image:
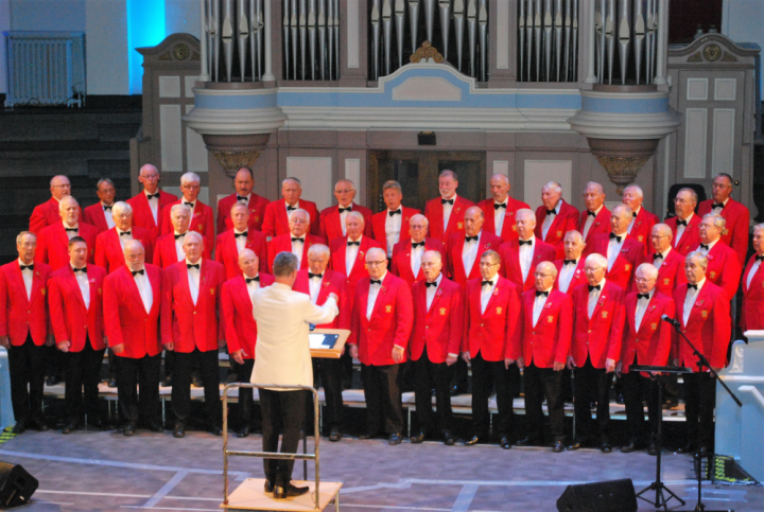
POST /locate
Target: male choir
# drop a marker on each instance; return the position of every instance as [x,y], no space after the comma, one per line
[493,285]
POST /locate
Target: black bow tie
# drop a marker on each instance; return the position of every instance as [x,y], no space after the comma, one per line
[237,235]
[395,212]
[447,201]
[414,245]
[128,233]
[241,198]
[617,237]
[717,205]
[291,208]
[525,242]
[634,214]
[497,206]
[84,270]
[569,262]
[758,258]
[71,229]
[180,235]
[342,210]
[657,255]
[486,283]
[539,294]
[551,212]
[105,208]
[470,239]
[152,196]
[250,279]
[681,223]
[433,284]
[193,265]
[31,267]
[311,276]
[692,286]
[358,243]
[590,213]
[136,272]
[190,205]
[374,281]
[595,287]
[643,296]
[704,246]
[298,240]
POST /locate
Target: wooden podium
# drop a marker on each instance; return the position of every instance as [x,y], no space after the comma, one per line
[250,496]
[328,343]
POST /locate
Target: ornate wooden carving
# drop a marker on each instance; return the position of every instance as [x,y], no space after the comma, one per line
[427,51]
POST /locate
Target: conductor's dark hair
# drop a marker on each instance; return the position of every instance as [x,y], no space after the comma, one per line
[284,264]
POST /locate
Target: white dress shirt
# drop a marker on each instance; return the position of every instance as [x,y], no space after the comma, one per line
[297,248]
[286,207]
[124,238]
[251,286]
[469,253]
[153,205]
[430,291]
[499,215]
[526,257]
[179,251]
[351,253]
[193,279]
[549,219]
[613,249]
[447,209]
[244,201]
[192,203]
[344,218]
[633,219]
[486,291]
[590,220]
[718,210]
[108,215]
[27,275]
[594,296]
[680,229]
[566,276]
[393,230]
[144,289]
[641,308]
[314,285]
[754,269]
[82,281]
[373,292]
[710,246]
[538,305]
[241,241]
[71,234]
[689,301]
[657,262]
[416,258]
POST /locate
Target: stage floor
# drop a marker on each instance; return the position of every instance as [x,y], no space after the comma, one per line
[100,471]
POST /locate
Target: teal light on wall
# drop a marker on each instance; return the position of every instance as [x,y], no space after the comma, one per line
[145,27]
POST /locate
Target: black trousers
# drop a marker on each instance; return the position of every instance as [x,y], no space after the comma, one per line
[143,374]
[636,390]
[540,383]
[181,385]
[429,375]
[591,384]
[330,371]
[83,370]
[382,392]
[169,362]
[246,402]
[700,400]
[26,365]
[283,413]
[487,375]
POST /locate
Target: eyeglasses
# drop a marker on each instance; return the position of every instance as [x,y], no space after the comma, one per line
[376,263]
[345,191]
[150,176]
[487,265]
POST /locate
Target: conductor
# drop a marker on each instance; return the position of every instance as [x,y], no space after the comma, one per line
[282,358]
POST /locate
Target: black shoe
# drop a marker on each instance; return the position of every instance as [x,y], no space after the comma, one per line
[576,444]
[52,380]
[395,438]
[335,435]
[631,447]
[505,443]
[473,441]
[268,486]
[19,428]
[155,427]
[528,441]
[288,491]
[652,449]
[605,447]
[129,430]
[418,438]
[244,432]
[179,431]
[448,438]
[558,447]
[216,430]
[688,448]
[70,427]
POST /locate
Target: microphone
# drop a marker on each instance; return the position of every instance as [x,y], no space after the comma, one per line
[670,320]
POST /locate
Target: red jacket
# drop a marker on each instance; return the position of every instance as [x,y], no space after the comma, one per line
[455,263]
[433,210]
[109,253]
[600,336]
[390,324]
[276,222]
[547,342]
[256,207]
[165,253]
[53,244]
[670,273]
[240,325]
[338,264]
[192,326]
[579,276]
[283,243]
[400,264]
[690,237]
[738,222]
[330,226]
[709,326]
[21,316]
[44,215]
[566,220]
[201,222]
[752,311]
[509,227]
[631,256]
[378,225]
[490,332]
[68,316]
[331,282]
[510,262]
[227,253]
[643,226]
[125,317]
[441,327]
[95,216]
[142,216]
[723,267]
[651,343]
[601,223]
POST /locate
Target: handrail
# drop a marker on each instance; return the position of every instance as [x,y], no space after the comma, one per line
[755,392]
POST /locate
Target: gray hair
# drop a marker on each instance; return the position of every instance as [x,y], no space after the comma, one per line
[419,216]
[301,211]
[356,216]
[194,234]
[758,227]
[121,207]
[448,173]
[345,180]
[525,212]
[238,205]
[319,249]
[21,236]
[554,186]
[665,229]
[719,221]
[579,237]
[132,243]
[285,264]
[597,259]
[502,177]
[190,177]
[180,206]
[649,270]
[435,254]
[392,184]
[375,250]
[602,189]
[626,210]
[66,199]
[291,178]
[693,194]
[635,188]
[699,257]
[104,180]
[490,253]
[549,265]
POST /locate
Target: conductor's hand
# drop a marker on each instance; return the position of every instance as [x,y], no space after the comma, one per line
[398,354]
[354,351]
[118,349]
[64,346]
[5,342]
[170,347]
[238,356]
[609,365]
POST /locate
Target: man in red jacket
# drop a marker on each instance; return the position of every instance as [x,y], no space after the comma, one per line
[492,316]
[131,303]
[390,225]
[150,202]
[47,213]
[231,243]
[76,315]
[24,331]
[99,215]
[332,222]
[703,310]
[53,246]
[191,328]
[110,244]
[520,257]
[570,270]
[723,265]
[595,219]
[668,261]
[276,221]
[241,327]
[244,183]
[596,348]
[737,215]
[622,252]
[435,341]
[381,323]
[685,224]
[464,249]
[642,221]
[646,341]
[407,254]
[752,315]
[348,253]
[446,213]
[201,217]
[500,209]
[297,241]
[555,217]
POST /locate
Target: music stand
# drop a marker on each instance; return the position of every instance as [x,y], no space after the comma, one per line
[658,486]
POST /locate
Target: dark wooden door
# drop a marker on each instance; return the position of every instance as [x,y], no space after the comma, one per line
[417,172]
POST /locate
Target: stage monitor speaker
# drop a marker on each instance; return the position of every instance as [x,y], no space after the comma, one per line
[16,485]
[611,496]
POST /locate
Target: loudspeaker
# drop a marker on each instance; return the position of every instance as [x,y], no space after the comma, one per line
[611,496]
[16,485]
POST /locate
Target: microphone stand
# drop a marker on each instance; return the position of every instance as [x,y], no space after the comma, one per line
[703,362]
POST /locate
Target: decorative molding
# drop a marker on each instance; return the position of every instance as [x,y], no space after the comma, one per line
[427,88]
[695,57]
[712,52]
[232,161]
[428,53]
[622,170]
[728,57]
[165,56]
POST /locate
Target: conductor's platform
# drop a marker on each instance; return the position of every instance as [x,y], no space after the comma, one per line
[250,496]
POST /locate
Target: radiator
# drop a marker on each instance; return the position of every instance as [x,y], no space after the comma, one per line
[45,68]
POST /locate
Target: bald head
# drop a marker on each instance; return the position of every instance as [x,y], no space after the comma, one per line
[249,263]
[135,255]
[149,178]
[499,187]
[244,181]
[60,186]
[526,223]
[69,210]
[473,221]
[594,196]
